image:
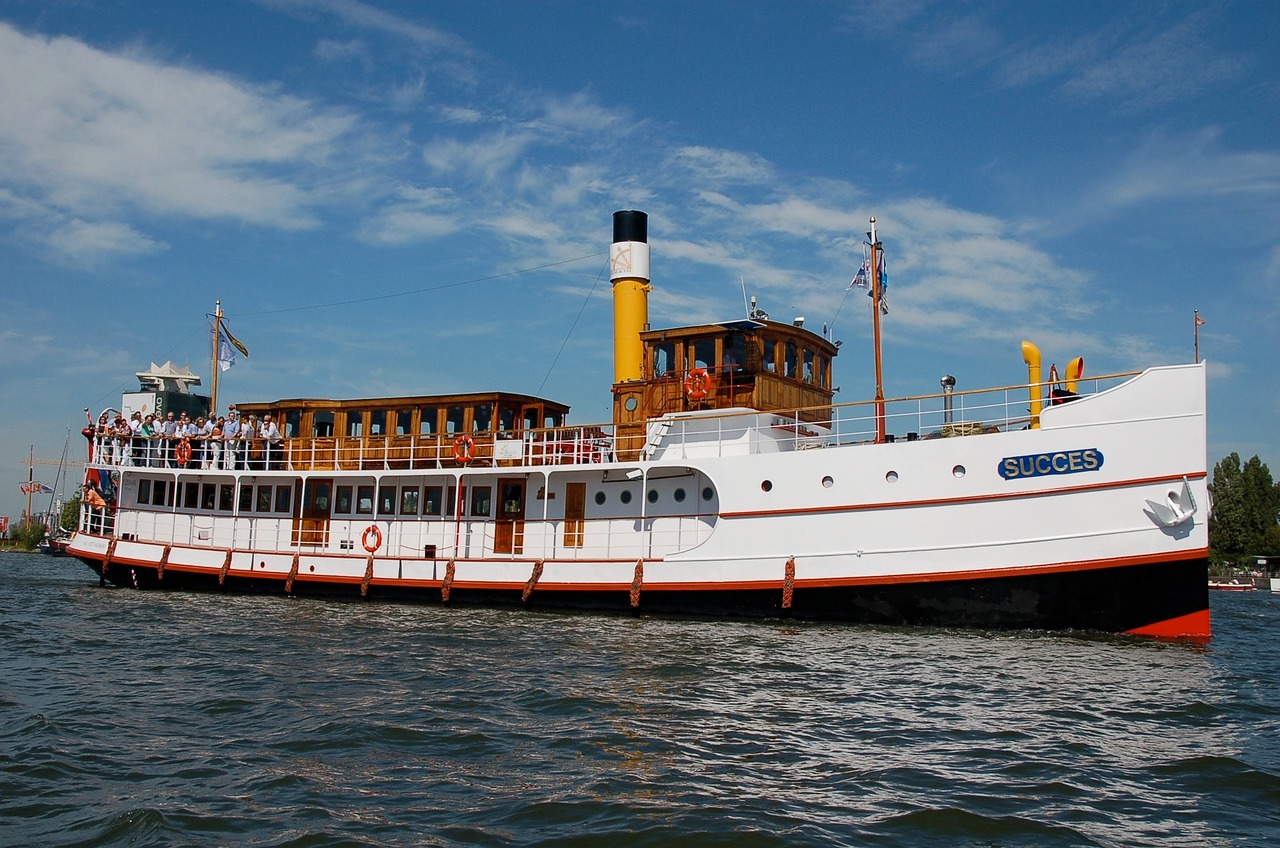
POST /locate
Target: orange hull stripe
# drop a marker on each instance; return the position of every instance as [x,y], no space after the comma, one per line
[995,496]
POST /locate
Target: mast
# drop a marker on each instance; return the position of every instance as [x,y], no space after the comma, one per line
[217,336]
[876,251]
[31,479]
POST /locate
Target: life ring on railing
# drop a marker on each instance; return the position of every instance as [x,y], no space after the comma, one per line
[182,452]
[464,449]
[371,532]
[697,385]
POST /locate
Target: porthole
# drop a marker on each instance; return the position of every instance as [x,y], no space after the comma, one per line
[891,477]
[708,494]
[828,482]
[625,496]
[631,403]
[653,496]
[678,494]
[766,486]
[600,498]
[958,471]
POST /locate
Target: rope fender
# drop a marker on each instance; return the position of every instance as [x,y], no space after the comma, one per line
[447,586]
[531,582]
[293,572]
[164,560]
[226,566]
[368,577]
[636,582]
[789,583]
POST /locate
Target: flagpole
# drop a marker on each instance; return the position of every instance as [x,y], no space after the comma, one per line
[31,479]
[1196,323]
[217,337]
[875,330]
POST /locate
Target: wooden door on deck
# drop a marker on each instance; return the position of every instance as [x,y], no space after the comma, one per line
[311,528]
[509,530]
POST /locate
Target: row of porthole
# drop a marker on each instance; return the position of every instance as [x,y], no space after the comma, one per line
[678,496]
[889,477]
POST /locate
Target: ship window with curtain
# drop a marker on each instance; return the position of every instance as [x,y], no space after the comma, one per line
[342,501]
[264,499]
[403,421]
[409,500]
[428,424]
[378,422]
[433,501]
[481,500]
[809,373]
[506,418]
[355,423]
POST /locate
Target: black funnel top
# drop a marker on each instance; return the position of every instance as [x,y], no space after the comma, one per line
[630,226]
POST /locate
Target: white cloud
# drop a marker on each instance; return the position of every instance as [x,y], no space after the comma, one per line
[485,158]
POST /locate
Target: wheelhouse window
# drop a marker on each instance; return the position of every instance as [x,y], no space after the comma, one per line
[378,422]
[735,352]
[553,419]
[455,419]
[506,418]
[322,425]
[292,423]
[429,423]
[403,422]
[482,418]
[355,423]
[664,359]
[531,417]
[789,362]
[702,354]
[809,373]
[770,356]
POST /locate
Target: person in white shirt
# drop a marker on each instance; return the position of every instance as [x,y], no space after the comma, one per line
[230,438]
[271,447]
[168,435]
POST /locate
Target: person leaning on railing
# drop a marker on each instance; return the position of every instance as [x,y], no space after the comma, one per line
[251,443]
[230,438]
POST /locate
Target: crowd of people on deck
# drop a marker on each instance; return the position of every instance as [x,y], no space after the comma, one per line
[229,442]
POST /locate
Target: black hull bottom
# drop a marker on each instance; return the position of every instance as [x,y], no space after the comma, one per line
[1119,599]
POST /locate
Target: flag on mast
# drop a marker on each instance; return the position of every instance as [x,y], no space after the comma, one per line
[1199,320]
[225,341]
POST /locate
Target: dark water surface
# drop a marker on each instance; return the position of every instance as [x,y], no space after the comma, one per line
[154,719]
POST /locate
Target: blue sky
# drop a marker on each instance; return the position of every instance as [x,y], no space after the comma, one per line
[1083,175]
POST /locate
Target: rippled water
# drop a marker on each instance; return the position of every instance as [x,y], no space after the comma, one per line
[156,719]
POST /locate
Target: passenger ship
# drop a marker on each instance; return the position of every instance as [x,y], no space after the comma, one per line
[728,483]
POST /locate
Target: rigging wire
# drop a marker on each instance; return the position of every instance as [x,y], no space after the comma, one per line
[572,326]
[440,287]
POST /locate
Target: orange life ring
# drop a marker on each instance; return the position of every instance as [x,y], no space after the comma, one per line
[371,531]
[464,449]
[182,452]
[698,384]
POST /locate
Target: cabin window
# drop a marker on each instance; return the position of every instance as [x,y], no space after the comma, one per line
[409,500]
[208,496]
[553,419]
[144,491]
[452,500]
[664,359]
[481,500]
[702,354]
[246,498]
[264,499]
[322,425]
[531,416]
[355,423]
[292,423]
[226,497]
[284,499]
[403,422]
[387,500]
[455,419]
[735,352]
[770,356]
[625,496]
[364,500]
[809,373]
[432,502]
[482,418]
[378,422]
[159,493]
[190,495]
[823,369]
[429,424]
[789,361]
[342,500]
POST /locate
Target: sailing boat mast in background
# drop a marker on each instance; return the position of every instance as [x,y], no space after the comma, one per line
[877,295]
